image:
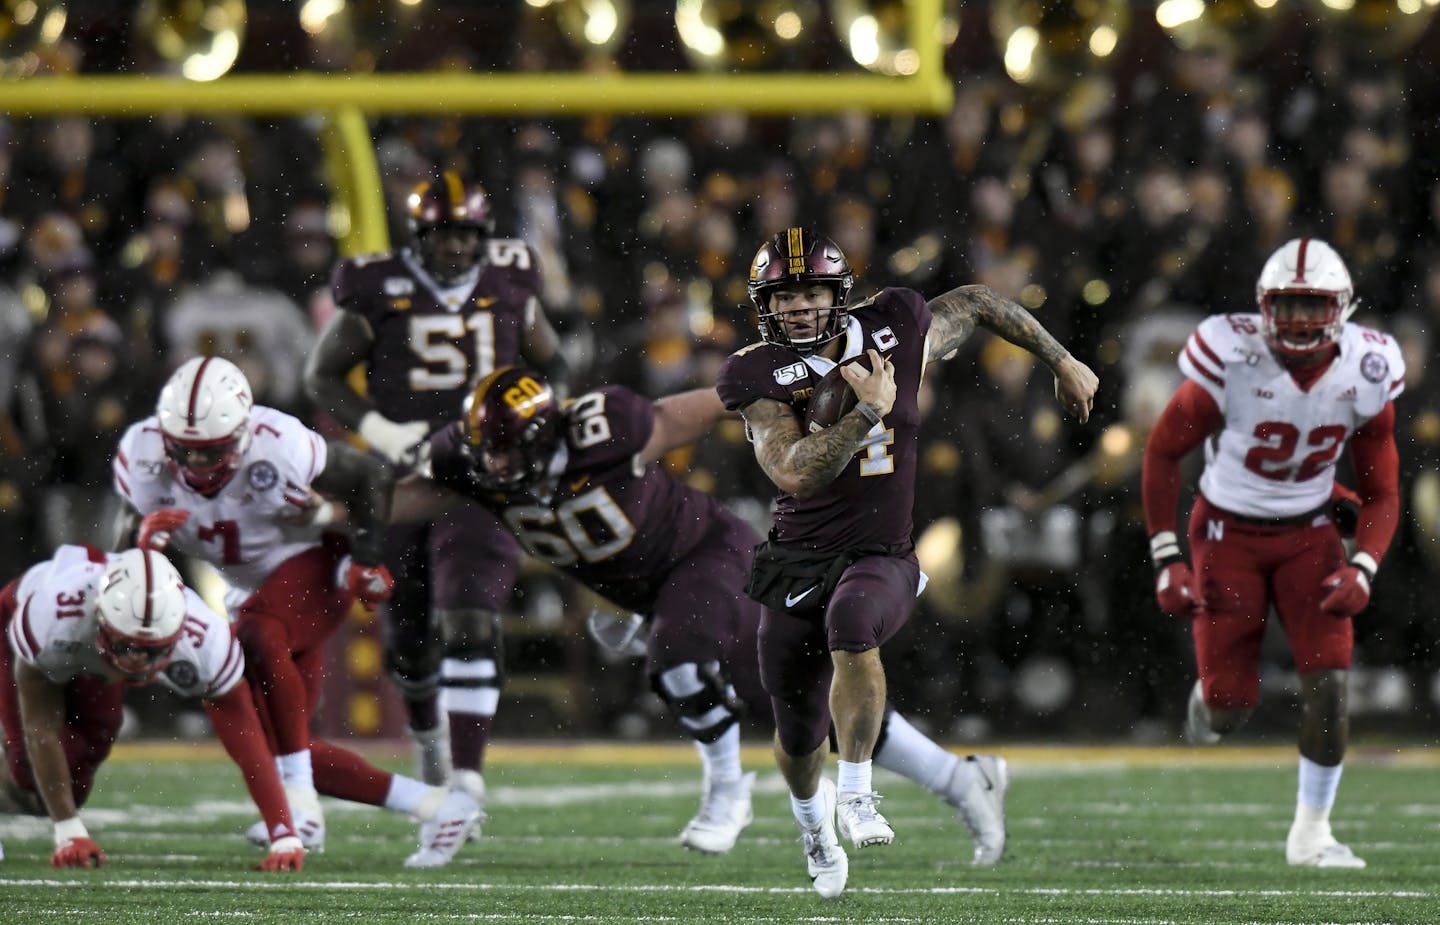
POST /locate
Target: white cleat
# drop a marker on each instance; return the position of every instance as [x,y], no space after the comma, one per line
[1197,725]
[311,832]
[474,784]
[432,754]
[976,790]
[858,821]
[725,811]
[824,858]
[443,833]
[1319,849]
[305,813]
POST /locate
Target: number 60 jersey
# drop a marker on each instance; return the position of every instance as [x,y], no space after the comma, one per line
[1275,456]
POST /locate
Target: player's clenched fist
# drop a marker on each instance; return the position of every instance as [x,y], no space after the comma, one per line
[157,526]
[371,584]
[1175,590]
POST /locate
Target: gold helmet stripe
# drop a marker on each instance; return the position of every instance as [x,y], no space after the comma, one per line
[795,248]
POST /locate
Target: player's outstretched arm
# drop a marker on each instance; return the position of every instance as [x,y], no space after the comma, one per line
[237,726]
[680,420]
[42,712]
[540,347]
[958,312]
[364,484]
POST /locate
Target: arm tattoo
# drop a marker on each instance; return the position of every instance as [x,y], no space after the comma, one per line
[798,464]
[959,311]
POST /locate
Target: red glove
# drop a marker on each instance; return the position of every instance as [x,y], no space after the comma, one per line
[1175,589]
[78,852]
[370,584]
[285,854]
[1349,591]
[157,526]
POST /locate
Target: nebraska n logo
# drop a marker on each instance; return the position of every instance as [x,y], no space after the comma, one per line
[1215,529]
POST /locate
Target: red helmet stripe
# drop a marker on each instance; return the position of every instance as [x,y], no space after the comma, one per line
[149,589]
[195,391]
[1300,260]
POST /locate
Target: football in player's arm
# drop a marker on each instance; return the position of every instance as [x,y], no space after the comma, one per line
[79,628]
[838,576]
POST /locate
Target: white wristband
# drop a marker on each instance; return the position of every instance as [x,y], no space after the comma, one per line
[67,830]
[1365,563]
[1164,545]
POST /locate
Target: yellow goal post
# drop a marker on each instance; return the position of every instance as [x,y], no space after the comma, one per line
[346,100]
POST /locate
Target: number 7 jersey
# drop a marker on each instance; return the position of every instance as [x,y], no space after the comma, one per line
[1275,455]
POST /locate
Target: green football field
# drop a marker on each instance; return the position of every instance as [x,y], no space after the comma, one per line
[587,834]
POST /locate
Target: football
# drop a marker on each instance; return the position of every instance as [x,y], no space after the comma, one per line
[832,399]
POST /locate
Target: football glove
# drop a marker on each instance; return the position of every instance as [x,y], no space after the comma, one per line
[371,584]
[1349,587]
[1174,583]
[285,854]
[156,527]
[399,443]
[73,846]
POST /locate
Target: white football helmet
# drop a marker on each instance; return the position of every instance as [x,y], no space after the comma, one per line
[1310,269]
[204,413]
[140,609]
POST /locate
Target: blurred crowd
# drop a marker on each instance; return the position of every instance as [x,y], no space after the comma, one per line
[129,245]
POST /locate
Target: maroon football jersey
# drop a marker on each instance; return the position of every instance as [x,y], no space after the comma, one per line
[616,530]
[433,343]
[871,500]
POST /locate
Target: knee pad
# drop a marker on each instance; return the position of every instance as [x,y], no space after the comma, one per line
[700,698]
[415,670]
[473,635]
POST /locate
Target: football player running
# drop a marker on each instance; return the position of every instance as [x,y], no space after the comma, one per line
[581,488]
[839,575]
[1276,397]
[78,628]
[428,323]
[237,485]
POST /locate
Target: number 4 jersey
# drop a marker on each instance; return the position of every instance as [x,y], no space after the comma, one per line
[54,628]
[1275,456]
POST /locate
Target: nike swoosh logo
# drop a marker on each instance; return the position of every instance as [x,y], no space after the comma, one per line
[792,599]
[486,303]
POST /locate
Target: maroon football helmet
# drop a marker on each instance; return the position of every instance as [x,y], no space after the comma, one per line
[511,429]
[449,220]
[796,256]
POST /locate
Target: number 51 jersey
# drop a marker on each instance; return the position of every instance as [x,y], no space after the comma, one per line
[1275,456]
[433,343]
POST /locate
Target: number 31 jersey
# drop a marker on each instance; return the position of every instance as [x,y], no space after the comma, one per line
[1275,456]
[433,343]
[54,629]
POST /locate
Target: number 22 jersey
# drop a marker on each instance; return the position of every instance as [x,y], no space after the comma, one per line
[1275,455]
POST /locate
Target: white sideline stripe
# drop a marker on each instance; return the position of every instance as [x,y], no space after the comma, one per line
[358,886]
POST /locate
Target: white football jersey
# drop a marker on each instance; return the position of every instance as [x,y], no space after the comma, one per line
[54,629]
[1275,456]
[253,524]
